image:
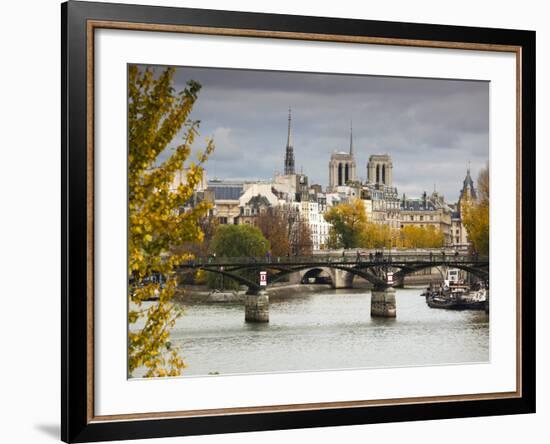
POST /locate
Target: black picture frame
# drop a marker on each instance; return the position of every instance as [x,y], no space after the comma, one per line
[77,425]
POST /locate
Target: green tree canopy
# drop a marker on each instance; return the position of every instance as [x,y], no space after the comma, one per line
[236,241]
[239,241]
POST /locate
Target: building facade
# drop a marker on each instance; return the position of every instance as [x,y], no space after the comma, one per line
[427,211]
[226,195]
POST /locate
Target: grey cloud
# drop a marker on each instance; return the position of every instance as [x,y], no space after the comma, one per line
[432,128]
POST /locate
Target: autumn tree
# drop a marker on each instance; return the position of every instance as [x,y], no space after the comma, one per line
[160,137]
[475,215]
[349,222]
[413,236]
[300,239]
[274,226]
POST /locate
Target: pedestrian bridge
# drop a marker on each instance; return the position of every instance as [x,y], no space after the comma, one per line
[374,267]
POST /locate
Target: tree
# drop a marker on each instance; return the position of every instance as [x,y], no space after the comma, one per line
[239,241]
[287,231]
[300,240]
[476,215]
[236,241]
[158,220]
[349,222]
[274,226]
[413,236]
[376,236]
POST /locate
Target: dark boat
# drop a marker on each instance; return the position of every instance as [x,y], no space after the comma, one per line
[450,303]
[457,297]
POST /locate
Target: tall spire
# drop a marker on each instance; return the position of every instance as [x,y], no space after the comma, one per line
[289,156]
[351,138]
[289,135]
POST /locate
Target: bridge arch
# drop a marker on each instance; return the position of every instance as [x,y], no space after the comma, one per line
[315,273]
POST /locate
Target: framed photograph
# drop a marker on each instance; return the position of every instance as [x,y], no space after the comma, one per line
[275,221]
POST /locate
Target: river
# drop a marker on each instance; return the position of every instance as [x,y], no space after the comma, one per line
[328,329]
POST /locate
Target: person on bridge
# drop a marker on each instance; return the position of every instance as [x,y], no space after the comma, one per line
[358,256]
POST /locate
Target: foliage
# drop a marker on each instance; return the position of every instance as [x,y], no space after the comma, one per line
[351,229]
[197,248]
[157,116]
[287,232]
[273,223]
[300,239]
[239,241]
[475,215]
[414,236]
[410,236]
[376,236]
[236,241]
[349,221]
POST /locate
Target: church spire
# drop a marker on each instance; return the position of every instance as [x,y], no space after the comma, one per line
[289,156]
[351,138]
[289,135]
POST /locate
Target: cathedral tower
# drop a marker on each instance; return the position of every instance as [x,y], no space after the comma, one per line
[380,170]
[342,167]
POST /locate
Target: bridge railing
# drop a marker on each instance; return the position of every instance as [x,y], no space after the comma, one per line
[372,258]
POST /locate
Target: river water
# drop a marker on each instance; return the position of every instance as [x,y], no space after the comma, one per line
[328,329]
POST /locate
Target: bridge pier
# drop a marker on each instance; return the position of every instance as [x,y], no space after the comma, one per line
[341,278]
[399,282]
[382,303]
[256,306]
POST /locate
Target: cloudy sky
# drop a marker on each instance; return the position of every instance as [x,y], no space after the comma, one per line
[432,128]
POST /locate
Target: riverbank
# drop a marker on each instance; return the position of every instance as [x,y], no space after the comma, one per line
[203,294]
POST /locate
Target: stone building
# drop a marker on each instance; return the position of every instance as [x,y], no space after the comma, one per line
[226,194]
[379,190]
[427,211]
[251,208]
[342,168]
[383,204]
[312,212]
[380,170]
